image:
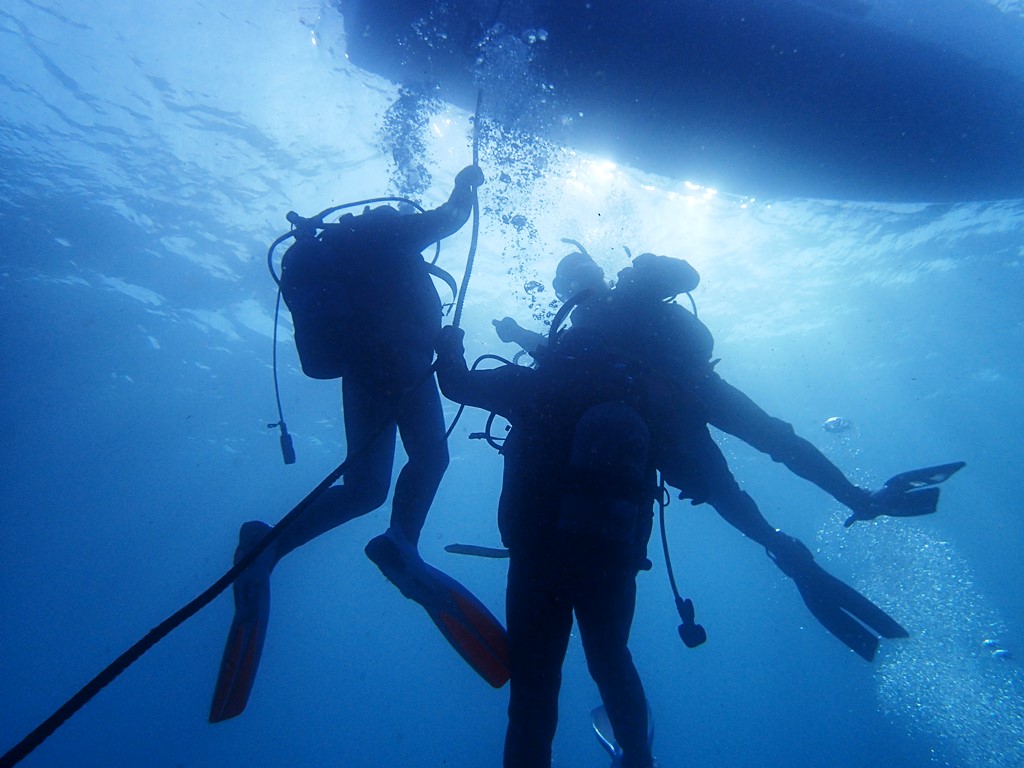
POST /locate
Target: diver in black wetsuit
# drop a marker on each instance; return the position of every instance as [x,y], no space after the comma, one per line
[635,320]
[378,321]
[634,317]
[575,512]
[365,309]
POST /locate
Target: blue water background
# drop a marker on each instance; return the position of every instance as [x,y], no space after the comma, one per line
[149,153]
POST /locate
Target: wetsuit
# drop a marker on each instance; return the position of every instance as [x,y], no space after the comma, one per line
[364,309]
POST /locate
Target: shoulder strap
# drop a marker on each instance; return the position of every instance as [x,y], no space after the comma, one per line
[445,276]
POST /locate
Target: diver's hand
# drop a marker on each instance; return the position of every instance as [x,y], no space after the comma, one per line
[470,176]
[448,343]
[867,506]
[861,502]
[507,329]
[895,503]
[908,494]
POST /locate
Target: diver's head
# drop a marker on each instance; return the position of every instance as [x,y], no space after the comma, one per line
[576,272]
[660,276]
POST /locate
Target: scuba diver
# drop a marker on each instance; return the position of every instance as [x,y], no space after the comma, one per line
[637,319]
[638,315]
[365,310]
[576,511]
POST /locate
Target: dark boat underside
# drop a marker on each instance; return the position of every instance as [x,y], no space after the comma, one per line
[806,99]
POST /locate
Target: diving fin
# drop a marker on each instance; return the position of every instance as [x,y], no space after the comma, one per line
[248,631]
[846,613]
[922,478]
[851,617]
[477,550]
[606,737]
[907,494]
[464,621]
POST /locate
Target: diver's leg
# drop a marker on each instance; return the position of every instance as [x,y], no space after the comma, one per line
[421,426]
[605,601]
[370,433]
[829,600]
[370,436]
[539,623]
[721,490]
[365,488]
[733,412]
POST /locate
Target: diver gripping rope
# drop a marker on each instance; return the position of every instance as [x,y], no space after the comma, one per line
[471,256]
[49,726]
[309,227]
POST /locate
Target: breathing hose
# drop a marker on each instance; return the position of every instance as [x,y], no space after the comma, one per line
[457,319]
[690,632]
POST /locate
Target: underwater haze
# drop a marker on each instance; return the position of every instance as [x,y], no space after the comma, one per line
[149,154]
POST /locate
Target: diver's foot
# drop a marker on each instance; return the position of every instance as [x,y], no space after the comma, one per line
[249,536]
[400,563]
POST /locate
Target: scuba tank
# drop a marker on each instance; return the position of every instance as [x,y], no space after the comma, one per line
[608,476]
[315,289]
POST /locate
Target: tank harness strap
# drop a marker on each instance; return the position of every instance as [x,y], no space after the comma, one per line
[446,277]
[563,313]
